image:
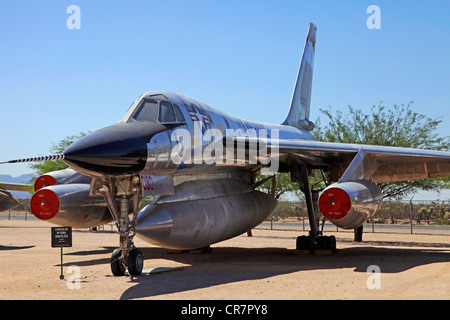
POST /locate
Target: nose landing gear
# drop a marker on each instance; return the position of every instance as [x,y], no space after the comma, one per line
[127,193]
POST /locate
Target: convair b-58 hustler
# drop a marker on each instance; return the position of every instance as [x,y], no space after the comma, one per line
[202,165]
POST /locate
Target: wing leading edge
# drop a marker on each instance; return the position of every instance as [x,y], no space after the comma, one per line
[368,162]
[7,200]
[17,187]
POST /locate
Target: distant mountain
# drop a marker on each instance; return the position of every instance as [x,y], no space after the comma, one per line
[24,178]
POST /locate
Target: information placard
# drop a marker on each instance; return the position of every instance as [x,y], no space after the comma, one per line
[61,237]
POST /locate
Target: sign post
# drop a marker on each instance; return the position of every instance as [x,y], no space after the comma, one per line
[61,237]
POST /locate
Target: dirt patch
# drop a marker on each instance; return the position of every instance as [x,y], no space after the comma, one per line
[264,266]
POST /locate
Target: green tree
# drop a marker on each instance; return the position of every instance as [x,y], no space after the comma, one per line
[399,127]
[41,168]
[446,219]
[283,185]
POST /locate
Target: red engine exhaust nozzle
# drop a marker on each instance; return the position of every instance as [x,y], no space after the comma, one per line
[334,203]
[44,181]
[44,204]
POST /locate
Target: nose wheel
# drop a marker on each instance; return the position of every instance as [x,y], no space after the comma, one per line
[117,267]
[135,262]
[119,204]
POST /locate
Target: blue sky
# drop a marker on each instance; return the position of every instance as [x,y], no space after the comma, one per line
[239,56]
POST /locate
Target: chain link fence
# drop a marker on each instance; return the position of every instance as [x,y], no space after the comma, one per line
[399,216]
[414,217]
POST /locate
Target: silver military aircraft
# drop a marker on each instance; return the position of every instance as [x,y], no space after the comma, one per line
[202,165]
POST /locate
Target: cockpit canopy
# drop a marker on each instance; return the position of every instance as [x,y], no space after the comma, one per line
[152,109]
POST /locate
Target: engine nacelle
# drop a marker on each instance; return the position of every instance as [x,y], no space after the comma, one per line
[203,212]
[349,204]
[60,177]
[70,205]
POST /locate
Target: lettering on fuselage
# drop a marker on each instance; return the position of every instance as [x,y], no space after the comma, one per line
[213,147]
[157,185]
[147,183]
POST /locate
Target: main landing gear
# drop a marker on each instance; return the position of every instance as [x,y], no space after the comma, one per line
[314,242]
[125,192]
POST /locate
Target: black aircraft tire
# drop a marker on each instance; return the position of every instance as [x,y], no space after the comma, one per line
[135,262]
[117,267]
[332,243]
[302,243]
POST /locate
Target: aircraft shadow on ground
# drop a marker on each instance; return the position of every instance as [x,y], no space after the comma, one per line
[91,252]
[92,262]
[232,264]
[6,248]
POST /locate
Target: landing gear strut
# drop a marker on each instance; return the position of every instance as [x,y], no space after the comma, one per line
[126,193]
[315,241]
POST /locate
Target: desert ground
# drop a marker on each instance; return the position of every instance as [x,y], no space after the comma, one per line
[262,267]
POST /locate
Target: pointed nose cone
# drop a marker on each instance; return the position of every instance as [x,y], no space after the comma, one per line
[119,149]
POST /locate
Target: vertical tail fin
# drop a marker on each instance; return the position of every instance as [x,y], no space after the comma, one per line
[298,115]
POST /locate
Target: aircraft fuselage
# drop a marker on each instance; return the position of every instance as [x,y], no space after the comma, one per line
[165,133]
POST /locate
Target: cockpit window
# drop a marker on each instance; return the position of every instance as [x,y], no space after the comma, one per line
[166,112]
[178,113]
[147,111]
[158,97]
[158,111]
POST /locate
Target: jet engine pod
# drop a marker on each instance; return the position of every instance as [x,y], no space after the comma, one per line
[349,204]
[60,177]
[69,205]
[44,181]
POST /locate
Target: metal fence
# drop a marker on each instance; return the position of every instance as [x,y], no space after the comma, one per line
[399,216]
[367,227]
[17,215]
[412,217]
